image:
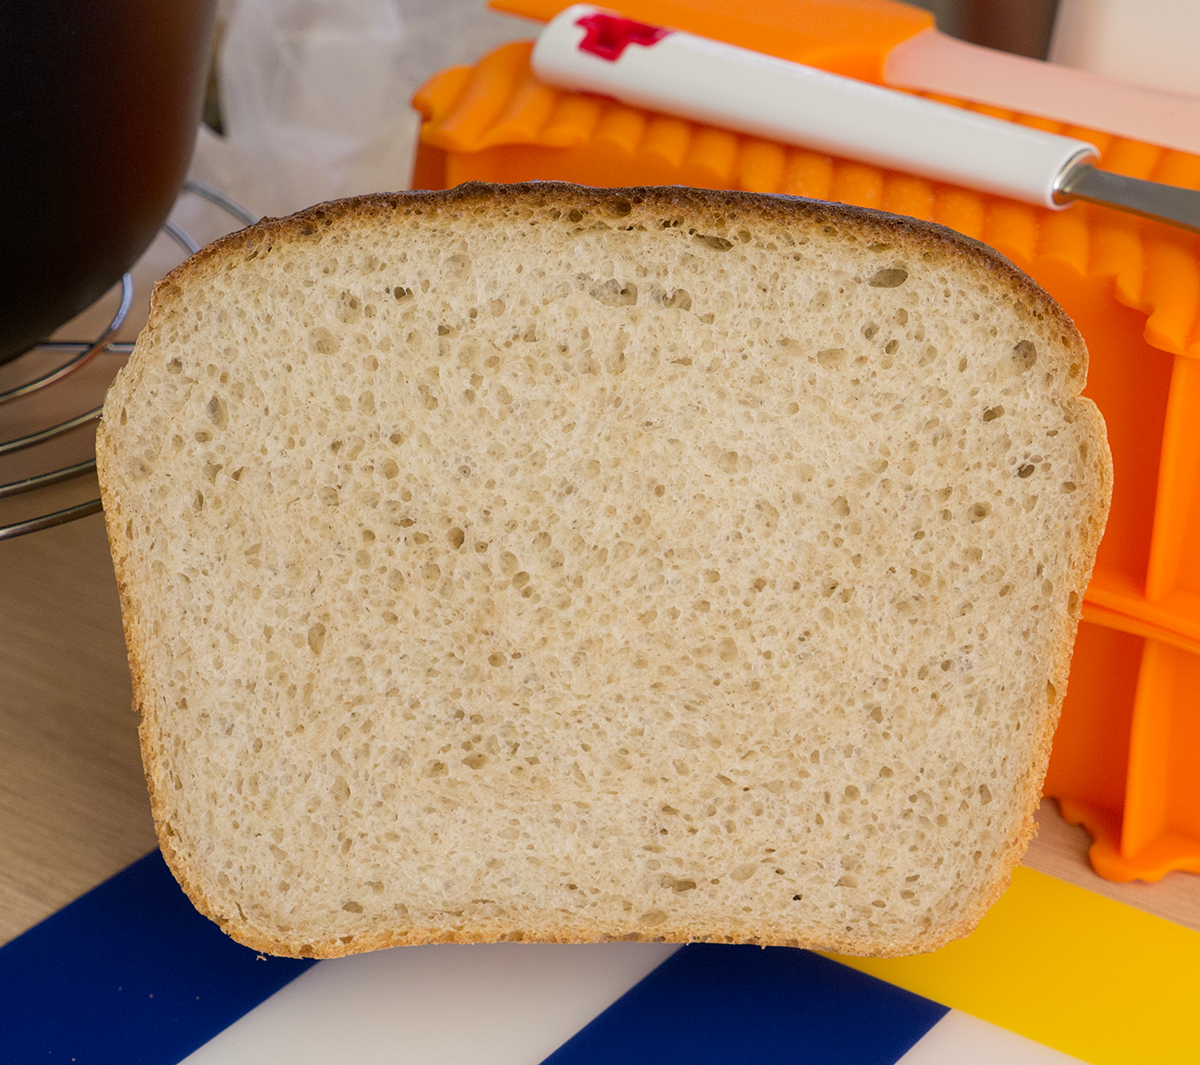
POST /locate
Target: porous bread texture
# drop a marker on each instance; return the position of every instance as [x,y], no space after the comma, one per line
[556,564]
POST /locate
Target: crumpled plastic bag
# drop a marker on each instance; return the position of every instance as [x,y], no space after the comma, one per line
[314,101]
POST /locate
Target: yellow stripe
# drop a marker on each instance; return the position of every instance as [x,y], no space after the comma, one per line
[1071,969]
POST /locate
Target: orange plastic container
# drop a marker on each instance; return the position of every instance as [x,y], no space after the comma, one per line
[1126,760]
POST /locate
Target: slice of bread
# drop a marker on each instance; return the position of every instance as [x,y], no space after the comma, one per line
[547,563]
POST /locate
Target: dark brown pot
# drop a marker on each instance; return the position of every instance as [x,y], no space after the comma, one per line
[99,105]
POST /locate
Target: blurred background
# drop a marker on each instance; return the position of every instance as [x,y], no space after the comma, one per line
[1022,27]
[409,43]
[1019,26]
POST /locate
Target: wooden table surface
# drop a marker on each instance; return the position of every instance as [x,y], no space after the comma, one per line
[73,807]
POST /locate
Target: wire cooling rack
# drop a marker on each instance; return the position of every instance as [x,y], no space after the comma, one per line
[72,356]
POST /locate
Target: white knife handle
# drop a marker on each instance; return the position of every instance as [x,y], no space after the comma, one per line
[593,50]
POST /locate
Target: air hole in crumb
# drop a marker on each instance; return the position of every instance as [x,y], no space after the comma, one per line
[316,638]
[218,412]
[888,277]
[1024,356]
[323,342]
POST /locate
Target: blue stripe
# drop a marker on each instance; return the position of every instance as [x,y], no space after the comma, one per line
[129,974]
[726,1005]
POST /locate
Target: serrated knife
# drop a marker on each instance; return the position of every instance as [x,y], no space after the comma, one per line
[593,50]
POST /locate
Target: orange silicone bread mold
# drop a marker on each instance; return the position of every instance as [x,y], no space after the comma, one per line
[1126,760]
[1132,286]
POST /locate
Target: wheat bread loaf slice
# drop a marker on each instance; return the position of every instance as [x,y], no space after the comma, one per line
[546,563]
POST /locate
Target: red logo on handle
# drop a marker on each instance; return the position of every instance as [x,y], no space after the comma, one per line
[609,35]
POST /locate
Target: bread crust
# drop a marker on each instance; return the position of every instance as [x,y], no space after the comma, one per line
[479,199]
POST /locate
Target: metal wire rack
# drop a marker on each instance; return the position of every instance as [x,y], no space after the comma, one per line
[78,354]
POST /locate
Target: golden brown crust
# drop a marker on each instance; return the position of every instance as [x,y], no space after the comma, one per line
[917,237]
[143,693]
[473,195]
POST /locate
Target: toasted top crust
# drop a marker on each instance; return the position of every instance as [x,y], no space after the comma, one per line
[567,564]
